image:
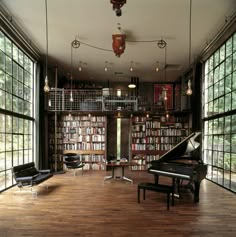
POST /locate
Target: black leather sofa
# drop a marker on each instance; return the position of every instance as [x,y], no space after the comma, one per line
[28,175]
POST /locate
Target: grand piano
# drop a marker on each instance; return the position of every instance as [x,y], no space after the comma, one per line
[181,163]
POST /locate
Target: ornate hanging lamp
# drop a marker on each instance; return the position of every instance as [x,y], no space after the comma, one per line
[118,42]
[117,5]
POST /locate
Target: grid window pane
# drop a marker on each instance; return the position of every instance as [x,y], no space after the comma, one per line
[220,149]
[16,90]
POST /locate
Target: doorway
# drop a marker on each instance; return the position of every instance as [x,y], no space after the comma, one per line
[118,142]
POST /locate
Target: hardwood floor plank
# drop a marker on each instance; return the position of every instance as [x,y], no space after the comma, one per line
[83,205]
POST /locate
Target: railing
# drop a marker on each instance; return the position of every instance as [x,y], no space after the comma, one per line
[90,100]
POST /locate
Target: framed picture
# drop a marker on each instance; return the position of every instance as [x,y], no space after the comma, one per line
[160,92]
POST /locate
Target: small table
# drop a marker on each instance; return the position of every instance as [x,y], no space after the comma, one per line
[118,170]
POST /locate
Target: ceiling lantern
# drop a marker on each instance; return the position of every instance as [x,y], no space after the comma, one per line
[117,5]
[118,42]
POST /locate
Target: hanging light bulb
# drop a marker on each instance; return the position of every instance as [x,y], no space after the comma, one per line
[49,103]
[105,68]
[165,94]
[167,115]
[71,96]
[46,86]
[189,89]
[131,66]
[157,68]
[80,68]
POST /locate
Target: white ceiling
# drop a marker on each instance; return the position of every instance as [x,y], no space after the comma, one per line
[93,22]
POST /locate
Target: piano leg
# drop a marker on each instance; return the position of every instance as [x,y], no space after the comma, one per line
[196,191]
[156,179]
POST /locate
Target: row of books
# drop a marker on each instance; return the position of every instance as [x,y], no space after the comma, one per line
[84,146]
[85,118]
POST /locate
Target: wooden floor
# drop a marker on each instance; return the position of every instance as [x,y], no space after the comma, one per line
[83,205]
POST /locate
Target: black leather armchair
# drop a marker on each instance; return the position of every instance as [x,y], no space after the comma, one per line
[73,161]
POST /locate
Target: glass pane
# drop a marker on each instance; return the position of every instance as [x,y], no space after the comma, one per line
[229,47]
[9,180]
[210,78]
[20,90]
[227,125]
[8,83]
[21,126]
[211,59]
[234,61]
[15,104]
[21,142]
[221,87]
[8,47]
[15,142]
[9,65]
[234,84]
[2,162]
[8,142]
[216,106]
[222,70]
[15,125]
[228,65]
[8,159]
[15,87]
[15,158]
[2,142]
[8,102]
[216,74]
[234,100]
[2,80]
[228,83]
[233,182]
[2,101]
[222,53]
[210,93]
[233,129]
[216,58]
[15,53]
[227,143]
[2,122]
[234,42]
[20,74]
[26,127]
[226,179]
[216,90]
[2,61]
[227,102]
[2,42]
[15,70]
[21,57]
[221,104]
[233,143]
[233,162]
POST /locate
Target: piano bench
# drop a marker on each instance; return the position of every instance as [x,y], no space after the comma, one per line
[157,188]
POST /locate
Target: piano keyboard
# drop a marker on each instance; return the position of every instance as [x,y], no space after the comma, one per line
[177,175]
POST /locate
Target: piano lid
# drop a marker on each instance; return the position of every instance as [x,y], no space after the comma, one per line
[184,148]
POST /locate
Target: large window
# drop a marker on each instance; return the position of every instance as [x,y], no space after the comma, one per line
[219,115]
[16,109]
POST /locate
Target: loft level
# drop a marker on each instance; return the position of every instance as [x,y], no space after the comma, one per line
[66,100]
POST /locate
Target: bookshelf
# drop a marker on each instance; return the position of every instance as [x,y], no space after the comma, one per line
[152,137]
[86,135]
[55,142]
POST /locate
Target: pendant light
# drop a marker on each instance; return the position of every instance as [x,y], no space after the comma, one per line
[189,85]
[71,95]
[46,86]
